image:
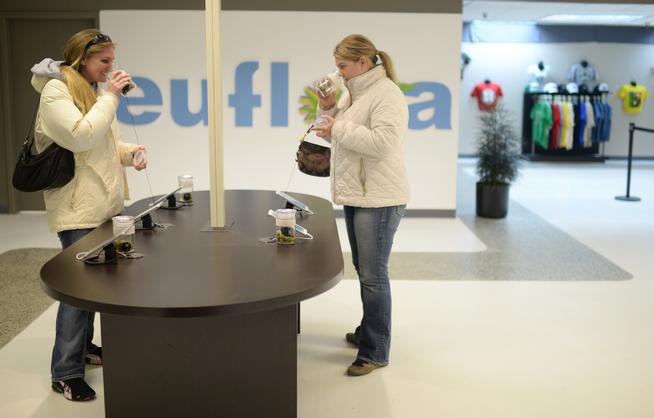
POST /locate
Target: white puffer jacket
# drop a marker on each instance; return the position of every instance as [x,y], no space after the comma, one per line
[99,188]
[367,160]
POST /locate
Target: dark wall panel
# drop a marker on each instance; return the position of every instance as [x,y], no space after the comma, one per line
[96,5]
[408,6]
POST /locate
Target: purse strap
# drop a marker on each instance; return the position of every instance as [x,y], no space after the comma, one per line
[29,141]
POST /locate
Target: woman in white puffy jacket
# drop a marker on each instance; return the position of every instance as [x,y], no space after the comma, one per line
[367,129]
[78,115]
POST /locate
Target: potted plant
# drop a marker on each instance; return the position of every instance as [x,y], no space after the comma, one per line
[499,156]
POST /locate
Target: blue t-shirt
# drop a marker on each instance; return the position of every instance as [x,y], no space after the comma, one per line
[606,128]
[599,121]
[583,117]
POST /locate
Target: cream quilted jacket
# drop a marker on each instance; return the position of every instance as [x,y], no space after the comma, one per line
[367,162]
[99,188]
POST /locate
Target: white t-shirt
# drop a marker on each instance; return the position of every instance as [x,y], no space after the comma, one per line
[537,74]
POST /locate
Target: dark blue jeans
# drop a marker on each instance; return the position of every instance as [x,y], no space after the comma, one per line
[74,328]
[370,232]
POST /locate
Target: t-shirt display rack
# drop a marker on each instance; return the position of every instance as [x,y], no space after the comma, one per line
[578,153]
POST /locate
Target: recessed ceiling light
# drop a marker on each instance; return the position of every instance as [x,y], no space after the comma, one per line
[589,19]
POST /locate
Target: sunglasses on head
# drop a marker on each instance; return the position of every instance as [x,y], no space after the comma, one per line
[99,38]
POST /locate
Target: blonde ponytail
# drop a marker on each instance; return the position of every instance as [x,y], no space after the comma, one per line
[81,90]
[388,65]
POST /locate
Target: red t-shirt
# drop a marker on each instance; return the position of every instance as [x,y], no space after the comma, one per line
[487,95]
[555,131]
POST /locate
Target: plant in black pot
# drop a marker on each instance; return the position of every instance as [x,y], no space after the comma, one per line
[498,147]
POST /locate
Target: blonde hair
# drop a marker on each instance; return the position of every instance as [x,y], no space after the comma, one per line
[355,46]
[75,52]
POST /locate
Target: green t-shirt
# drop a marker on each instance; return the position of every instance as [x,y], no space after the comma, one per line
[541,122]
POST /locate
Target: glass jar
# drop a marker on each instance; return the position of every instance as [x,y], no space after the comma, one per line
[327,84]
[285,226]
[185,194]
[124,225]
[115,69]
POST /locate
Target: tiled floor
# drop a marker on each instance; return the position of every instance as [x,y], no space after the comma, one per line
[487,349]
[26,230]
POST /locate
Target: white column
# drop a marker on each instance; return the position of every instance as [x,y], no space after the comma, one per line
[215,111]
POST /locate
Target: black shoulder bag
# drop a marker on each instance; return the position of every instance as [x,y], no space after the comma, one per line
[50,169]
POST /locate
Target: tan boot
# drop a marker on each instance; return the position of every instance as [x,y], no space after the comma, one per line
[360,367]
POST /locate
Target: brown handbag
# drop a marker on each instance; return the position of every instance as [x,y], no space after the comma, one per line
[313,159]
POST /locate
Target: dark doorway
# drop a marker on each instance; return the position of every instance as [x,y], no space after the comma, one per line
[30,38]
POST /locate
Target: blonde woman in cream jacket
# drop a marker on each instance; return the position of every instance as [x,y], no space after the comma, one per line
[78,115]
[367,129]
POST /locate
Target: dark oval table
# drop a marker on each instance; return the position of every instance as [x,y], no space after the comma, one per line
[205,324]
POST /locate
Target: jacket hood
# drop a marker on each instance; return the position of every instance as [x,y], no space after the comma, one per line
[45,71]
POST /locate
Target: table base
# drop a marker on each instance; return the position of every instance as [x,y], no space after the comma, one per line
[217,366]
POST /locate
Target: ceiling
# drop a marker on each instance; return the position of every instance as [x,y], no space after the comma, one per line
[534,11]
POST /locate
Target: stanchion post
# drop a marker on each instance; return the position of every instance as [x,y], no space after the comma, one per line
[631,154]
[627,197]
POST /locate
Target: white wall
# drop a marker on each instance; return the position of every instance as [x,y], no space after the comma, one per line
[506,64]
[162,45]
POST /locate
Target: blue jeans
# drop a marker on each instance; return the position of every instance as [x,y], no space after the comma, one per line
[74,328]
[370,232]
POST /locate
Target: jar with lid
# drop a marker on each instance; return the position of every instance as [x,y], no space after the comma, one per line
[185,194]
[285,226]
[124,225]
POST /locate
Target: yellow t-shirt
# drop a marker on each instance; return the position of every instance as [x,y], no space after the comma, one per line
[633,97]
[565,126]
